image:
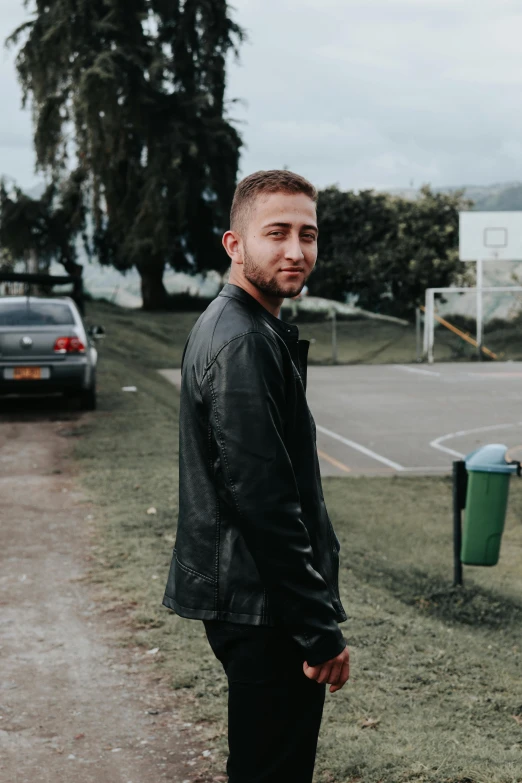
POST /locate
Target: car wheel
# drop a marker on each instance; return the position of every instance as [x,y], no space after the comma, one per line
[88,399]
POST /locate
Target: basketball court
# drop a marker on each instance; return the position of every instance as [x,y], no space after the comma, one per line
[417,419]
[409,419]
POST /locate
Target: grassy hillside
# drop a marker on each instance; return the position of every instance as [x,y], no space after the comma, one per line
[435,690]
[162,336]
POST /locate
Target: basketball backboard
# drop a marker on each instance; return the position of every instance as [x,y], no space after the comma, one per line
[490,236]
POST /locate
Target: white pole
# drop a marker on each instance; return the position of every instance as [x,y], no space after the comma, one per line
[426,321]
[334,337]
[418,353]
[480,284]
[431,338]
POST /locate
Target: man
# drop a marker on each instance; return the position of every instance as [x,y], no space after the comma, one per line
[256,557]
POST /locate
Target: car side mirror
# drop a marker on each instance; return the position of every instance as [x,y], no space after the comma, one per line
[96,332]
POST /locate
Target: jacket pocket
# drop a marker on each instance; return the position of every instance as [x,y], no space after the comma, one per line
[331,532]
[192,571]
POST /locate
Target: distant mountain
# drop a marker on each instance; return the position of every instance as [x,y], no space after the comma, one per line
[501,196]
[488,198]
[496,197]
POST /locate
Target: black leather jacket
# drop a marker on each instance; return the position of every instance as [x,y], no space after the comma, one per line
[254,541]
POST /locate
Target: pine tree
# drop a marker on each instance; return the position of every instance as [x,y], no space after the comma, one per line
[134,89]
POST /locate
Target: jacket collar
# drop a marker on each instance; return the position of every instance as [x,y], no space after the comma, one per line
[287,331]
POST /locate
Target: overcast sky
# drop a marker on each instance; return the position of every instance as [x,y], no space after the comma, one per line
[361,93]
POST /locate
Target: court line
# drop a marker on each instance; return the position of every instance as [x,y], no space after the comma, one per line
[438,468]
[436,444]
[416,370]
[494,374]
[333,461]
[357,446]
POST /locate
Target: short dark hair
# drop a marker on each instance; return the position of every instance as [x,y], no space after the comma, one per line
[273,181]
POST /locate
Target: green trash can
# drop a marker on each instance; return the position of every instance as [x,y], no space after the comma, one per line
[486,504]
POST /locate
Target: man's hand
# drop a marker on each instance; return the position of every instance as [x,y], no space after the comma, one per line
[335,672]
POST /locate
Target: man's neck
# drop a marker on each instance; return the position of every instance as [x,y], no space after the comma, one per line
[270,303]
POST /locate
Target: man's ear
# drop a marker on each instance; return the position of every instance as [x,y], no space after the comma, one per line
[231,243]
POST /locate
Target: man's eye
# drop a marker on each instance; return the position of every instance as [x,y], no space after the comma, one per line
[309,236]
[276,233]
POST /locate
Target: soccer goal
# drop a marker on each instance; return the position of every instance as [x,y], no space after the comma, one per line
[446,309]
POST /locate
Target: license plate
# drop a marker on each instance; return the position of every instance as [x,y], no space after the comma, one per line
[27,373]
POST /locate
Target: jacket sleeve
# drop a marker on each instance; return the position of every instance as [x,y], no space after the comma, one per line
[247,399]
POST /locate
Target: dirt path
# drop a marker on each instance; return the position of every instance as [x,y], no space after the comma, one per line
[75,707]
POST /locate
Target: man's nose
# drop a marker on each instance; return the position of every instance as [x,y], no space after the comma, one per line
[293,249]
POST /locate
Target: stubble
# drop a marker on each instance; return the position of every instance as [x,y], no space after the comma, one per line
[269,285]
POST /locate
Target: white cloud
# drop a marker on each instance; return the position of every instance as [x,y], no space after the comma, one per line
[382,91]
[359,92]
[16,150]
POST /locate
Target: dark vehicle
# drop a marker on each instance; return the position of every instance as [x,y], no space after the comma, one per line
[45,348]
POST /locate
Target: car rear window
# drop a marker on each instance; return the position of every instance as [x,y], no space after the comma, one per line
[35,314]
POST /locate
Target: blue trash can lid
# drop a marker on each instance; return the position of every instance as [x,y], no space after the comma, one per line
[489,459]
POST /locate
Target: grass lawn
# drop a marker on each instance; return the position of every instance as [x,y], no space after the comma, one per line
[381,342]
[436,687]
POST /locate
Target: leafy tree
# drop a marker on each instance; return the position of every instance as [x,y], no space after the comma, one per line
[426,253]
[135,89]
[38,231]
[354,228]
[387,250]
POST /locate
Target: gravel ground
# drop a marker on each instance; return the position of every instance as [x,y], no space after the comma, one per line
[75,704]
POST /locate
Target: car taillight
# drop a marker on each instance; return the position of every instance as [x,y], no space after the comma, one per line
[69,345]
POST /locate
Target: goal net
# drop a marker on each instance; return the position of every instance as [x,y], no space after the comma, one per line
[461,324]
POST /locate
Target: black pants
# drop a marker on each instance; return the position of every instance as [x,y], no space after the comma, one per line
[274,710]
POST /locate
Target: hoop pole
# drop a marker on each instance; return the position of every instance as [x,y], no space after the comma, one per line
[431,327]
[480,315]
[418,354]
[426,316]
[334,337]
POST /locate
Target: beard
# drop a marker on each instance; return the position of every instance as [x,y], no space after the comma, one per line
[270,286]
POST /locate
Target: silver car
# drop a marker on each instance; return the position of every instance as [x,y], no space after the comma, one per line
[45,347]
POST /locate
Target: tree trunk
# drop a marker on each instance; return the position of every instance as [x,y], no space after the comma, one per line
[31,263]
[76,272]
[72,268]
[153,292]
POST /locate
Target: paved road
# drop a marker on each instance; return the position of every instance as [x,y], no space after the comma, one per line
[410,419]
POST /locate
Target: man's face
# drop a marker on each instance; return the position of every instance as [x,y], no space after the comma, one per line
[279,243]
